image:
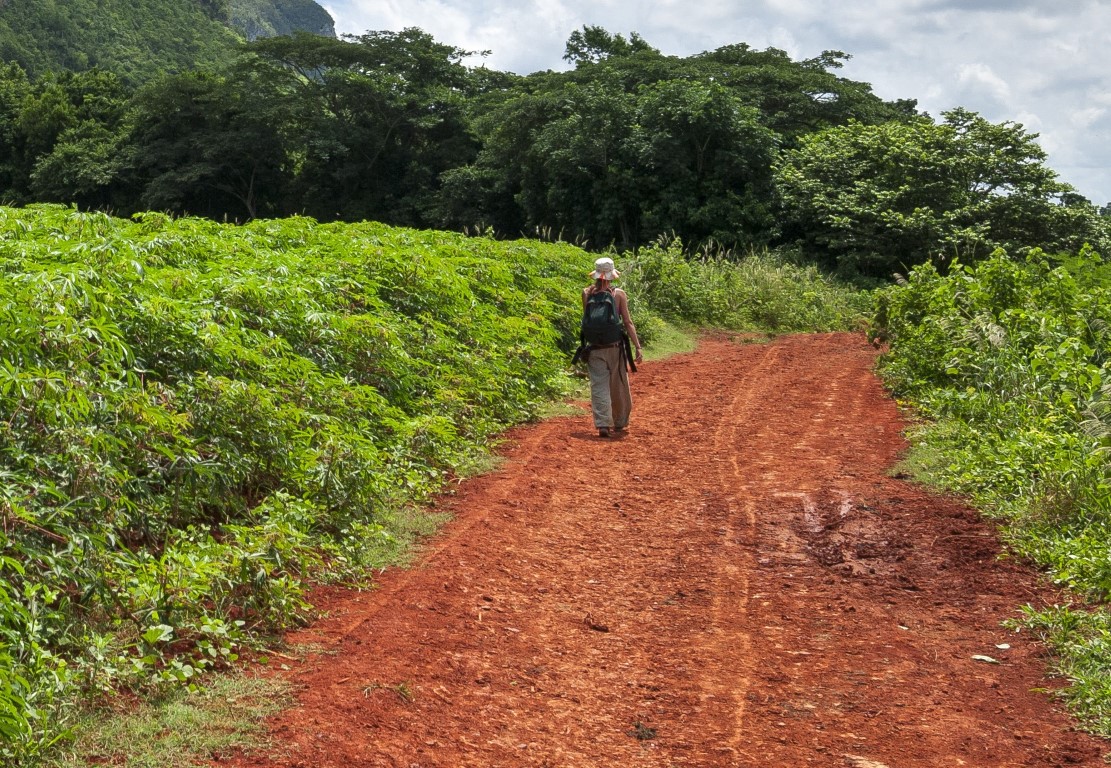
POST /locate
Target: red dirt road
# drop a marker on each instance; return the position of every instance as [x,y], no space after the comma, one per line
[738,581]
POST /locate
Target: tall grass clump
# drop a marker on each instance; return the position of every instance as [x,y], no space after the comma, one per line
[1008,361]
[762,291]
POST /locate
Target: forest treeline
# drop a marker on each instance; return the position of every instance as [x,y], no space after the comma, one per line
[732,148]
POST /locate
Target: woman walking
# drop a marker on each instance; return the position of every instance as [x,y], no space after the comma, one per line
[606,321]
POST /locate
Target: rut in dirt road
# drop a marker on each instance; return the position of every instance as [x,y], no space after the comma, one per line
[736,582]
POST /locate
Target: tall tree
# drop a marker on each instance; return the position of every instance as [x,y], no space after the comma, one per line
[210,146]
[378,119]
[631,143]
[77,131]
[15,156]
[706,160]
[577,176]
[797,97]
[882,198]
[592,44]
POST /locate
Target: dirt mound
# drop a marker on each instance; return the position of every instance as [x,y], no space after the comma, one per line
[738,581]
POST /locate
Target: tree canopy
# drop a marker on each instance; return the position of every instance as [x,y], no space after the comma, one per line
[881,198]
[632,144]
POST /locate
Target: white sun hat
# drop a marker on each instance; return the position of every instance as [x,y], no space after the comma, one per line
[604,270]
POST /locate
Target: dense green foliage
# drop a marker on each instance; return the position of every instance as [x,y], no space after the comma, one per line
[372,122]
[62,138]
[762,291]
[391,126]
[339,130]
[194,417]
[881,198]
[632,144]
[139,40]
[1010,361]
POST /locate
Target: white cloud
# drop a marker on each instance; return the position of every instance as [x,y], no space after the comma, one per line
[1028,120]
[1035,62]
[1085,118]
[980,78]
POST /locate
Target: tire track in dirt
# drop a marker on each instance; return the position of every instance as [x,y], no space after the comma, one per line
[737,582]
[731,643]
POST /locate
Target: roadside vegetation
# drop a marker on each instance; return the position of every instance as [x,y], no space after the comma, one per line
[1008,364]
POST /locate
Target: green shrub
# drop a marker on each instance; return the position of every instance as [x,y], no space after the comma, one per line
[196,416]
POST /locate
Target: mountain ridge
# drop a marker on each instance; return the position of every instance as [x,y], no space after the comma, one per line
[272,18]
[139,39]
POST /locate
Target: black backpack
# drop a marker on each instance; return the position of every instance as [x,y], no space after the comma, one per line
[600,324]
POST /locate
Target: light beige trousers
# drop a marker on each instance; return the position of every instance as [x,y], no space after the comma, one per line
[611,402]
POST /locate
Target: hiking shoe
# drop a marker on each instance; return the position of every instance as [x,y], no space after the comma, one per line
[603,432]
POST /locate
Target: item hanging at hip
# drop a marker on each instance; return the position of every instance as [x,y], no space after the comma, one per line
[627,350]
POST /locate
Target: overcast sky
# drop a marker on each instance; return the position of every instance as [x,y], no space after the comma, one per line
[1041,63]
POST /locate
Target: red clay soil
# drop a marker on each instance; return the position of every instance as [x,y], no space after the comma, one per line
[737,581]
